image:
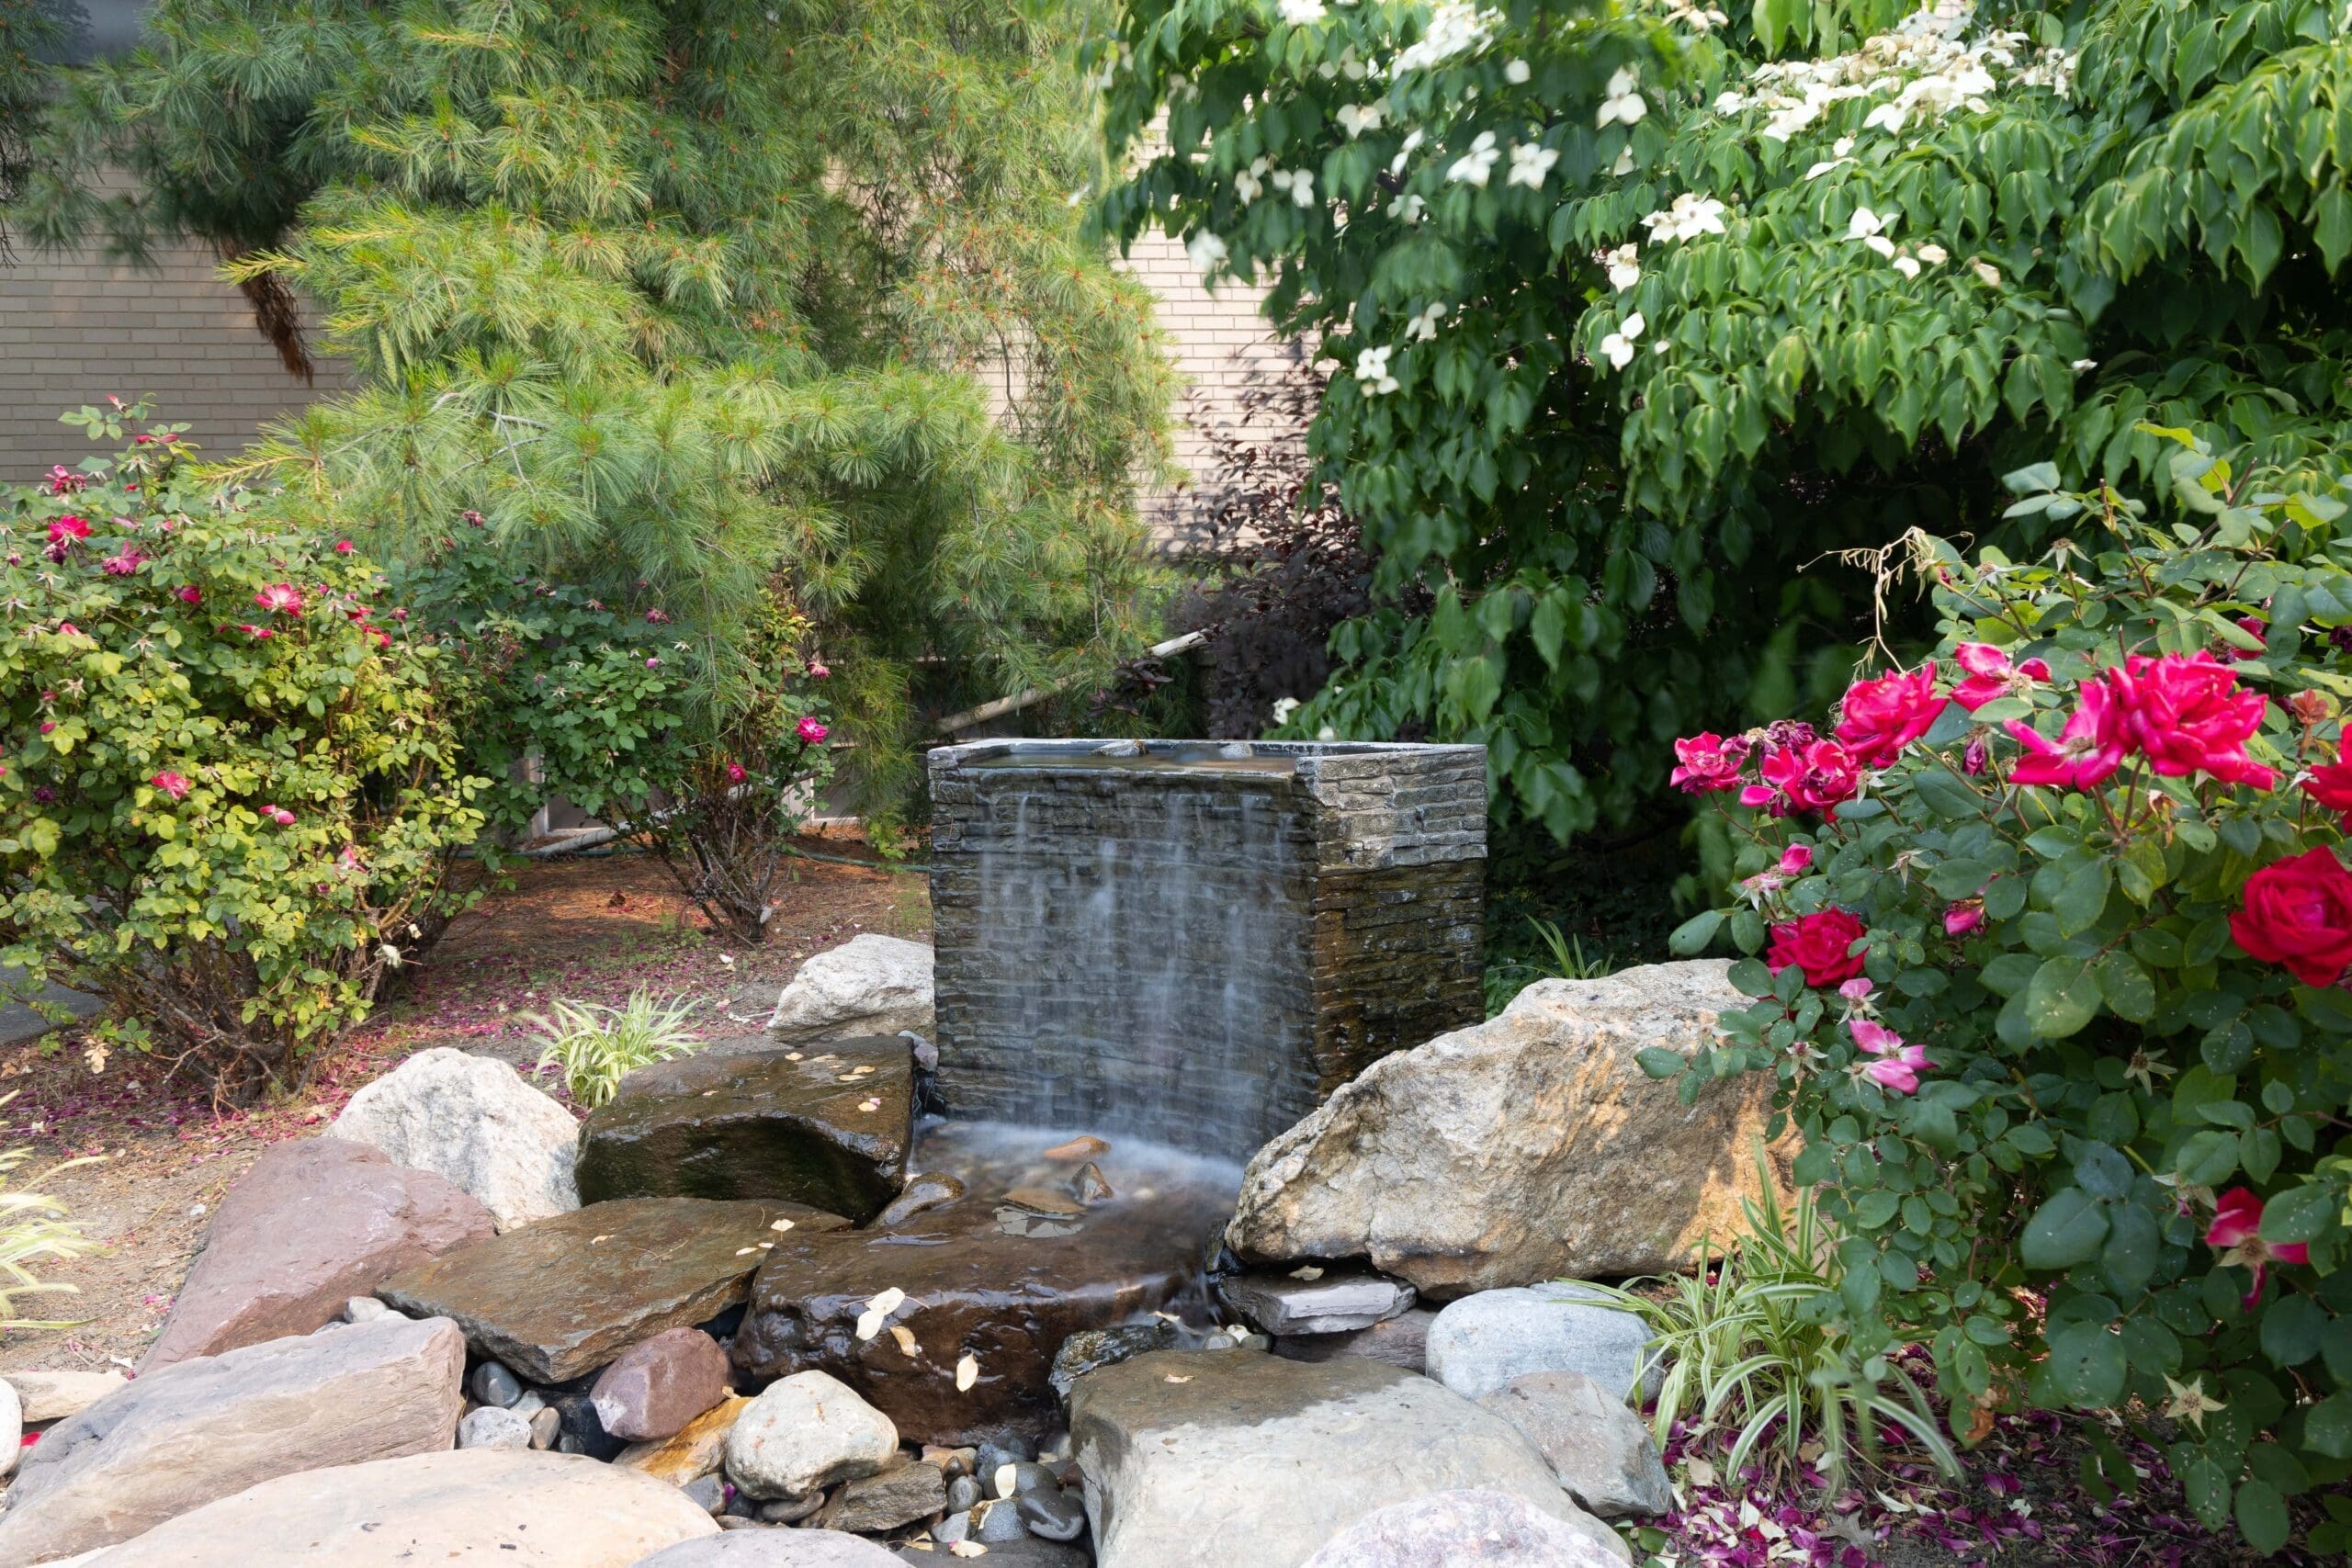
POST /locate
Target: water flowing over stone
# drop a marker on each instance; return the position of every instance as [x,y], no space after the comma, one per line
[1194,942]
[828,1126]
[985,1279]
[565,1296]
[1529,1148]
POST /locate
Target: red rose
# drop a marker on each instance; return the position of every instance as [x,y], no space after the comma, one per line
[2331,785]
[1880,717]
[2299,912]
[1818,943]
[1707,761]
[1813,777]
[2185,712]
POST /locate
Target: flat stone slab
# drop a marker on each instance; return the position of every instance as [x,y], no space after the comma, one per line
[202,1429]
[308,1226]
[1484,1342]
[504,1507]
[1335,1302]
[984,1276]
[565,1296]
[777,1548]
[1461,1530]
[829,1125]
[1246,1460]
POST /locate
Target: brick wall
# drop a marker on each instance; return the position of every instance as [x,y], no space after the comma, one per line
[76,327]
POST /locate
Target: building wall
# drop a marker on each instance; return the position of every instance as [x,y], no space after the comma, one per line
[74,328]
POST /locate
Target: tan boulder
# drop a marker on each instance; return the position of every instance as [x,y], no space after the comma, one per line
[1529,1148]
[692,1453]
[516,1508]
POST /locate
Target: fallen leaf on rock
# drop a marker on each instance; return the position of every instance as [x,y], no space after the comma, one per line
[969,1549]
[781,1226]
[968,1372]
[888,1302]
[745,1252]
[594,1240]
[1173,1378]
[1007,1478]
[792,1056]
[869,1105]
[1309,1272]
[906,1338]
[1085,1147]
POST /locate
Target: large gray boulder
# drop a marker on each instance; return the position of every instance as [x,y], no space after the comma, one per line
[202,1429]
[869,985]
[1599,1449]
[497,1507]
[308,1226]
[473,1120]
[1246,1460]
[1484,1342]
[1461,1530]
[805,1433]
[1529,1148]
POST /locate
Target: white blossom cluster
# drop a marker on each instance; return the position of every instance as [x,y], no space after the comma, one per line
[1457,27]
[1689,217]
[1923,71]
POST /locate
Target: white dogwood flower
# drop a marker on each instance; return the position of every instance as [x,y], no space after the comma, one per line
[1689,217]
[1530,165]
[1249,183]
[1907,266]
[1624,163]
[1624,270]
[1988,272]
[1823,167]
[1208,253]
[1619,346]
[1934,254]
[1407,208]
[1863,224]
[1357,119]
[1423,326]
[1303,13]
[1298,183]
[1411,144]
[1516,73]
[1371,371]
[1478,166]
[1624,104]
[1456,27]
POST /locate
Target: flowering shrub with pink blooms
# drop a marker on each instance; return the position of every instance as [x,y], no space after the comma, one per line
[228,789]
[2049,937]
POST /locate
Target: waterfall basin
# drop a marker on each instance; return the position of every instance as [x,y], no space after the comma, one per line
[1030,1253]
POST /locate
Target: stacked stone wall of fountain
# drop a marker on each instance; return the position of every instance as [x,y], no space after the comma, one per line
[1196,942]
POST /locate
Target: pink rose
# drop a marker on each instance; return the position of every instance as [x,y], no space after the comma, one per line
[2298,913]
[1819,944]
[1992,676]
[1706,762]
[811,733]
[2237,1234]
[737,772]
[1796,859]
[171,783]
[1900,1072]
[281,597]
[2185,714]
[190,595]
[2086,751]
[1879,718]
[344,547]
[1963,917]
[1813,777]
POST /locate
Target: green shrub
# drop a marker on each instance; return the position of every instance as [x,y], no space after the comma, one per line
[230,792]
[596,1046]
[2054,933]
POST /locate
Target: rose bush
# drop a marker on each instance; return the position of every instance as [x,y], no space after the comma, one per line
[2054,932]
[229,789]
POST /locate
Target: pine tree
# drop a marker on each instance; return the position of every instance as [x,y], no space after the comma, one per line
[722,298]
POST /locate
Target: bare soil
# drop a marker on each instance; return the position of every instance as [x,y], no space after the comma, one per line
[156,1158]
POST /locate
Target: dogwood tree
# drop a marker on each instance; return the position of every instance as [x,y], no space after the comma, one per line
[1646,308]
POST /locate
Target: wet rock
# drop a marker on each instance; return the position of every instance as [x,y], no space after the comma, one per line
[198,1430]
[805,1433]
[790,1510]
[1402,1341]
[1599,1449]
[1007,1302]
[774,1549]
[698,1450]
[474,1121]
[1481,1343]
[1252,1461]
[1335,1302]
[962,1494]
[995,1523]
[869,985]
[546,1427]
[1083,1353]
[708,1492]
[494,1427]
[1528,1147]
[831,1128]
[308,1223]
[580,1430]
[52,1396]
[1478,1529]
[1086,1146]
[494,1384]
[885,1502]
[566,1295]
[924,1193]
[480,1505]
[1052,1514]
[658,1385]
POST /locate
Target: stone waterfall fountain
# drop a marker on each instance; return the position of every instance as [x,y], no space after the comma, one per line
[1151,957]
[1195,942]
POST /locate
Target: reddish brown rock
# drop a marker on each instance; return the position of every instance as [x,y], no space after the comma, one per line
[659,1385]
[985,1279]
[309,1225]
[567,1294]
